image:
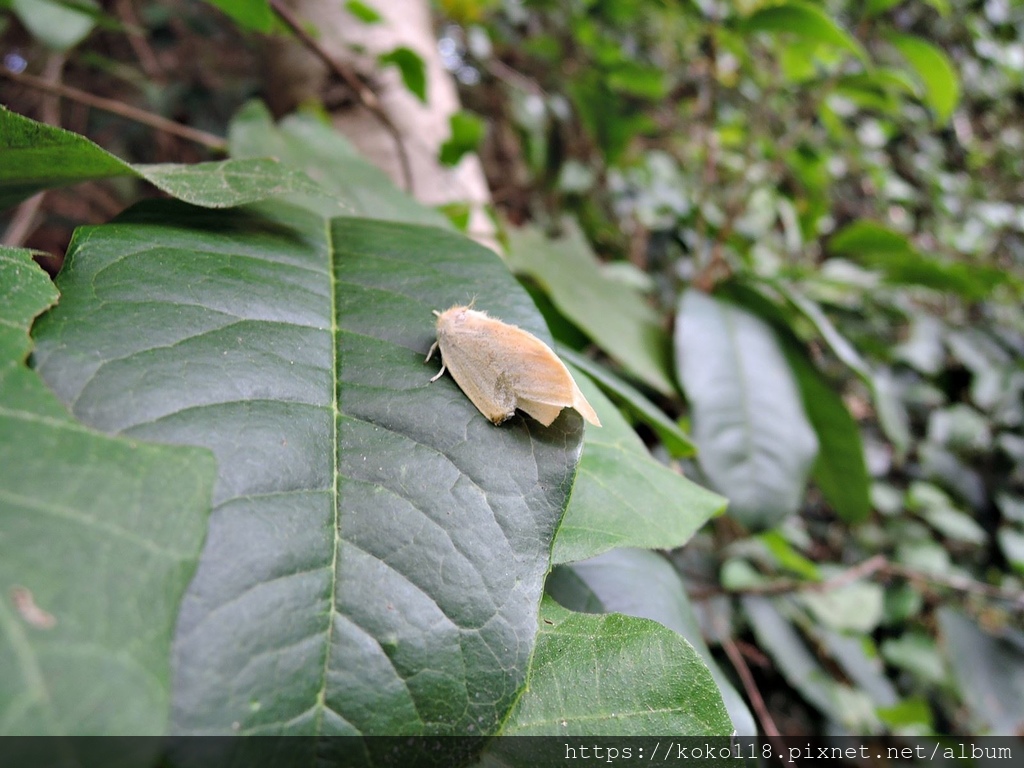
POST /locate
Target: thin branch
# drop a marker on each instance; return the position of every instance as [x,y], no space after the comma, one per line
[24,221]
[958,583]
[156,122]
[135,33]
[878,564]
[516,79]
[750,686]
[363,93]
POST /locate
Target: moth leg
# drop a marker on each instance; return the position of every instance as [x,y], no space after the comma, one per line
[430,354]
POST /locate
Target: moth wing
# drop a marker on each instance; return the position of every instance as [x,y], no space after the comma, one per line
[478,376]
[584,408]
[542,412]
[544,385]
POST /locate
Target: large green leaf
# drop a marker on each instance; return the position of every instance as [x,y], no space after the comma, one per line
[756,443]
[625,498]
[36,156]
[615,316]
[638,582]
[656,685]
[98,540]
[377,549]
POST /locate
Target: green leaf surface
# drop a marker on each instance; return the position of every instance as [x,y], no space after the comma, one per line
[935,70]
[881,248]
[410,65]
[990,671]
[876,7]
[254,15]
[641,583]
[840,470]
[615,317]
[357,187]
[1011,542]
[915,652]
[855,607]
[806,21]
[839,344]
[892,413]
[672,437]
[377,548]
[35,156]
[756,443]
[99,538]
[784,644]
[787,557]
[657,683]
[55,24]
[633,79]
[467,131]
[861,662]
[625,498]
[365,13]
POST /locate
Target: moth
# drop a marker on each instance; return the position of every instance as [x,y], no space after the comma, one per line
[500,367]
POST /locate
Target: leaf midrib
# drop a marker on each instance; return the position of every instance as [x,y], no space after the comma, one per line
[335,420]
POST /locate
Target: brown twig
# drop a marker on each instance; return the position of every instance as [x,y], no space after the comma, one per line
[958,583]
[116,107]
[516,79]
[363,92]
[750,686]
[24,221]
[877,564]
[137,39]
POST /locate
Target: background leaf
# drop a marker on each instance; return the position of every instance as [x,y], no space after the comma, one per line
[806,21]
[901,263]
[638,582]
[356,186]
[250,14]
[990,669]
[756,444]
[100,538]
[840,470]
[615,317]
[676,442]
[658,685]
[37,156]
[56,24]
[623,497]
[933,67]
[412,68]
[467,131]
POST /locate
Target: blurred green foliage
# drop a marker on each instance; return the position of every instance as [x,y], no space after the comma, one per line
[849,176]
